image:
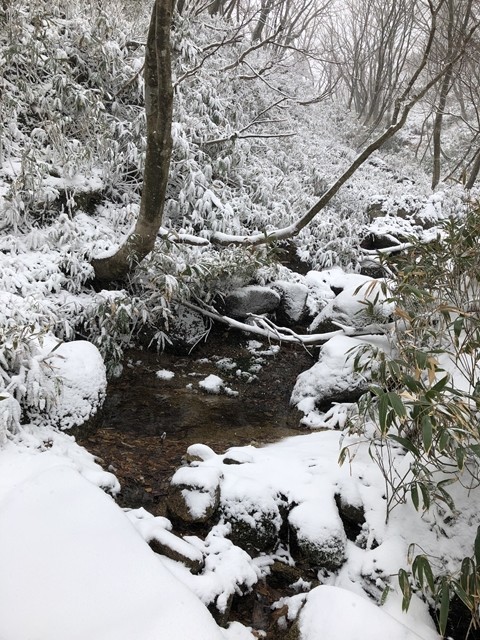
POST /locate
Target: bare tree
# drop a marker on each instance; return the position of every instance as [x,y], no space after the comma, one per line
[456,21]
[371,42]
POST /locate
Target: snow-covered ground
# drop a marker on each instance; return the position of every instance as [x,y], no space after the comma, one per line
[73,565]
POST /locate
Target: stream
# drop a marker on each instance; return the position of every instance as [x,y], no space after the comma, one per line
[147,422]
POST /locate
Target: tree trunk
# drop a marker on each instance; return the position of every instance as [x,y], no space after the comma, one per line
[158,106]
[474,171]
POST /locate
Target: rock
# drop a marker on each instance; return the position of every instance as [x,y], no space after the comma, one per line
[221,616]
[194,494]
[252,299]
[252,512]
[255,534]
[188,327]
[352,514]
[293,300]
[332,378]
[199,453]
[282,575]
[167,544]
[317,537]
[372,269]
[360,302]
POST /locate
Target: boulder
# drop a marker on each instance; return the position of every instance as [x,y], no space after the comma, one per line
[187,328]
[194,494]
[333,378]
[317,537]
[253,299]
[360,301]
[252,513]
[168,544]
[293,302]
[333,612]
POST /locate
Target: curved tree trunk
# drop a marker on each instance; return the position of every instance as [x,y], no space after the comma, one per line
[158,106]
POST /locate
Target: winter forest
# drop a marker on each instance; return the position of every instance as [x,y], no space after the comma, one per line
[239,319]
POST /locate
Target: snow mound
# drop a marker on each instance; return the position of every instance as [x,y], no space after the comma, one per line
[90,574]
[332,613]
[80,369]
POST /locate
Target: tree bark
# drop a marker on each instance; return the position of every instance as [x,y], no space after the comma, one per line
[158,106]
[474,171]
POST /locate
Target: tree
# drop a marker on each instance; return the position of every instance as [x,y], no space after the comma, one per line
[457,20]
[159,108]
[159,102]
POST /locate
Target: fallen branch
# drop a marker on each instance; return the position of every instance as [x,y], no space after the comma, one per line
[264,327]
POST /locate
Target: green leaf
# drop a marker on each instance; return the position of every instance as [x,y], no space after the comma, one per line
[460,454]
[423,571]
[444,607]
[425,495]
[421,358]
[414,494]
[476,449]
[396,403]
[467,573]
[427,433]
[476,547]
[383,413]
[458,326]
[429,574]
[406,589]
[342,456]
[467,600]
[441,384]
[444,440]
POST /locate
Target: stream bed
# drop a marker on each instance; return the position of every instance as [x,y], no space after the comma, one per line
[149,419]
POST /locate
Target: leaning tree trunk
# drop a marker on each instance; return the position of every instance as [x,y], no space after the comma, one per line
[158,107]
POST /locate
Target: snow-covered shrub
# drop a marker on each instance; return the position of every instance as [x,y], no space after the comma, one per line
[10,413]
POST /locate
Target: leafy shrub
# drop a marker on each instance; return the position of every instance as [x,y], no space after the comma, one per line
[426,396]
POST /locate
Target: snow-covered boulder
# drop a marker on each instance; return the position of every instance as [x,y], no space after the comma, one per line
[361,301]
[194,494]
[293,301]
[79,370]
[332,378]
[252,299]
[157,531]
[252,512]
[317,537]
[333,613]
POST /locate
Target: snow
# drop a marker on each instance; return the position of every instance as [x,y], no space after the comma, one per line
[332,376]
[211,384]
[73,564]
[90,575]
[81,373]
[215,385]
[344,616]
[164,374]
